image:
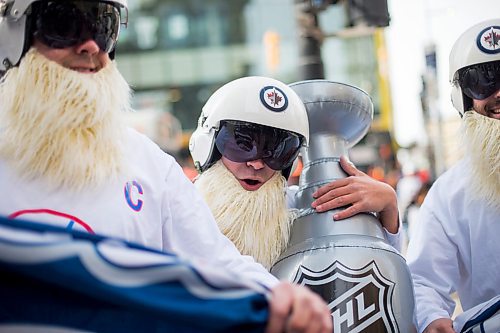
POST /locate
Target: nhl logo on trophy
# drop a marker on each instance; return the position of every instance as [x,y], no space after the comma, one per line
[349,263]
[358,298]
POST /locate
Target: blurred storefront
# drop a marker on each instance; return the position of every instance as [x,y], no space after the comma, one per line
[176,53]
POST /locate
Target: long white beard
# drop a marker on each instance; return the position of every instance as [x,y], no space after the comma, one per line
[257,222]
[482,147]
[62,125]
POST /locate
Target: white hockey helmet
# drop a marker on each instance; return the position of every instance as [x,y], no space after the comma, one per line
[255,100]
[477,45]
[17,28]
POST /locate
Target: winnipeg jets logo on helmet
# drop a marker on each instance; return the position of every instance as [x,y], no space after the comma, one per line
[273,98]
[488,40]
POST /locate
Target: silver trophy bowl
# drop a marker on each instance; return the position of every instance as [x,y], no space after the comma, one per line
[349,263]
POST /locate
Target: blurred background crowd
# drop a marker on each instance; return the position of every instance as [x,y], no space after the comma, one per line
[176,53]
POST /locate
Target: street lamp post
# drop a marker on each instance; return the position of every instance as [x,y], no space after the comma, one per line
[311,38]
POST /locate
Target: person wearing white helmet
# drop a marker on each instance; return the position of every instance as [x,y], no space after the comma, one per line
[248,136]
[67,159]
[455,247]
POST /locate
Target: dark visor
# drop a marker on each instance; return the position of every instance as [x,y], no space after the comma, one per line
[480,81]
[243,142]
[61,24]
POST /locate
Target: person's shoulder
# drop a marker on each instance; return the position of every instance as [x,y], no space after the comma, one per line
[456,174]
[142,147]
[136,137]
[450,188]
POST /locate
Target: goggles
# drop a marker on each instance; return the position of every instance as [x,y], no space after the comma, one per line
[242,142]
[61,24]
[480,81]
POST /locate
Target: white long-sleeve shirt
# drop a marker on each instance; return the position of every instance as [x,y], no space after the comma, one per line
[155,205]
[455,247]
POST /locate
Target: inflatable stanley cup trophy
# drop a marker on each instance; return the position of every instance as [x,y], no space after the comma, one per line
[364,280]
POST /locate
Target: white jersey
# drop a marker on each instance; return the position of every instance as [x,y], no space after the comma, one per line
[155,205]
[455,247]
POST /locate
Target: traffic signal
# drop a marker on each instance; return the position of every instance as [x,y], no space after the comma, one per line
[373,13]
[315,6]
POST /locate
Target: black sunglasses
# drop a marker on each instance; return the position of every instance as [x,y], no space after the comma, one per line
[480,81]
[242,142]
[61,24]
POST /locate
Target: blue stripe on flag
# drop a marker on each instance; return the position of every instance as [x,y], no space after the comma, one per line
[50,276]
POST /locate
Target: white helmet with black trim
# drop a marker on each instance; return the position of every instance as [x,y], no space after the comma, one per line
[17,28]
[255,100]
[479,44]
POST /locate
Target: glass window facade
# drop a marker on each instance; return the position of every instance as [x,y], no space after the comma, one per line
[176,53]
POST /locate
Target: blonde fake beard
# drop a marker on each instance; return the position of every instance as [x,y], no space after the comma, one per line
[257,222]
[62,125]
[482,146]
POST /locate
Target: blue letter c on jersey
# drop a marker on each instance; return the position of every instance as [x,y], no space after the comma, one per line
[129,190]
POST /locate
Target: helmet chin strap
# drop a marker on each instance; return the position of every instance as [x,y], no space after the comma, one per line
[467,104]
[286,172]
